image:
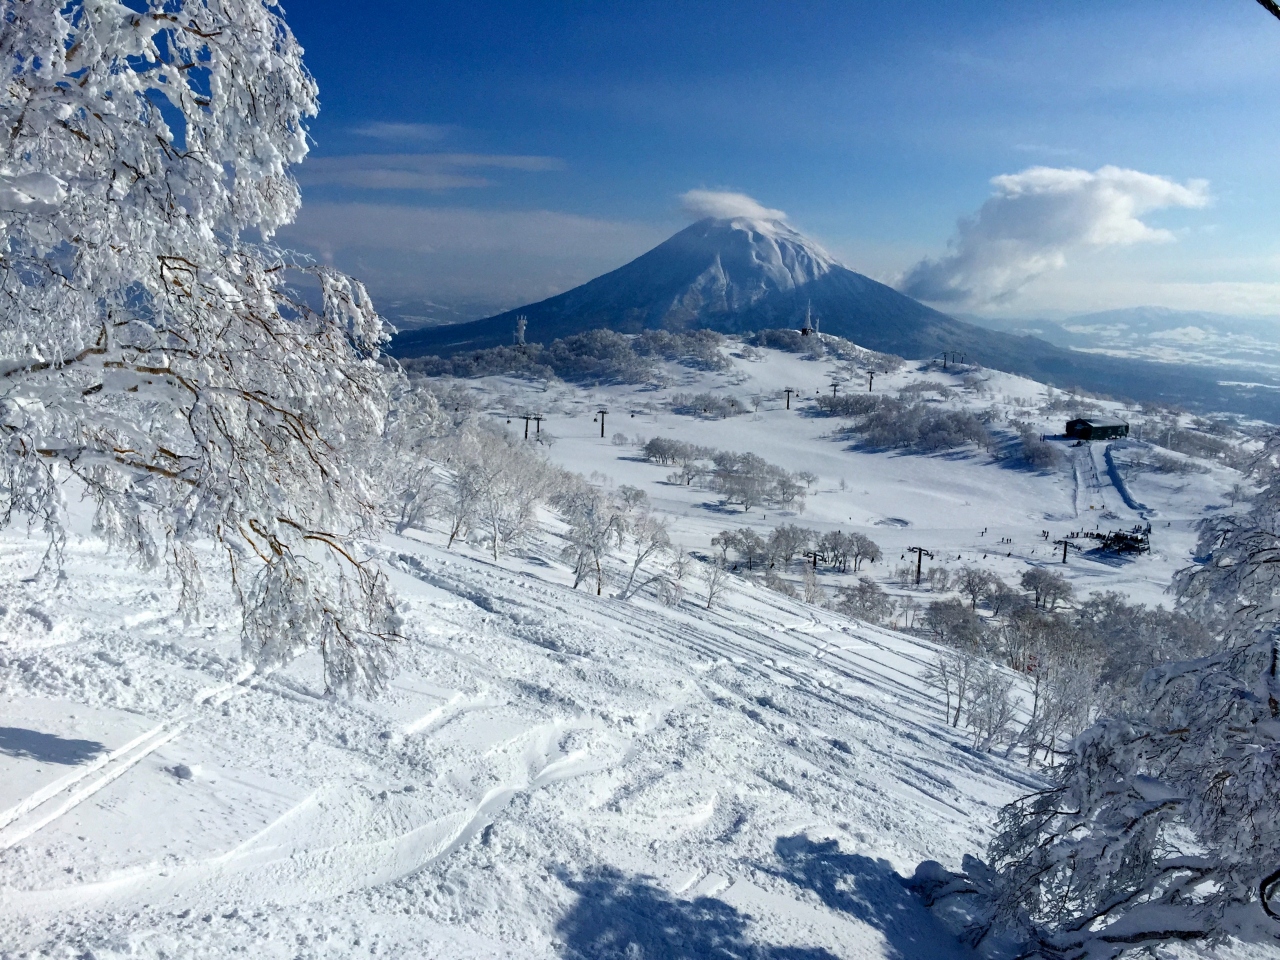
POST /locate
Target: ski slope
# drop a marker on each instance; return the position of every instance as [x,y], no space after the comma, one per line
[965,506]
[548,768]
[551,773]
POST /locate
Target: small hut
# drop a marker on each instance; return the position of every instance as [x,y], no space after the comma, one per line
[1097,428]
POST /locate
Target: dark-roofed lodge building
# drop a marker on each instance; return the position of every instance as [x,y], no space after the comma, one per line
[1097,428]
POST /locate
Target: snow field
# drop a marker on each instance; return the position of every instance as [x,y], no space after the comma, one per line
[942,502]
[545,763]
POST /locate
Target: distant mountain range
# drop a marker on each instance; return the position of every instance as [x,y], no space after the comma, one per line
[739,275]
[1160,333]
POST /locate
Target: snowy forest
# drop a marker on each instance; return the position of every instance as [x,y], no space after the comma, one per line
[223,414]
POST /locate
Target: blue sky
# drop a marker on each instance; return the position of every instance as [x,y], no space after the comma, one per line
[484,154]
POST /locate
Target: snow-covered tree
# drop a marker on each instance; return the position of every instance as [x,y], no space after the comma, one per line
[862,549]
[788,541]
[495,487]
[150,346]
[410,476]
[596,527]
[864,600]
[715,578]
[650,542]
[813,591]
[1161,827]
[1049,588]
[1238,587]
[974,583]
[1162,823]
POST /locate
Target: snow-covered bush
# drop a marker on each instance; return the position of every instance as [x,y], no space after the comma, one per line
[715,406]
[750,480]
[700,349]
[150,349]
[920,427]
[1161,826]
[602,355]
[1193,443]
[1032,450]
[889,422]
[848,404]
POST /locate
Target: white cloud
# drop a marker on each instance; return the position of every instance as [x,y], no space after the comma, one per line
[1035,219]
[415,171]
[381,130]
[724,205]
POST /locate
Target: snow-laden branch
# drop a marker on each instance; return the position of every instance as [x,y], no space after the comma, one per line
[150,348]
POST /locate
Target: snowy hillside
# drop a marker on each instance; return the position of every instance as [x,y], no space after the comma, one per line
[943,501]
[551,773]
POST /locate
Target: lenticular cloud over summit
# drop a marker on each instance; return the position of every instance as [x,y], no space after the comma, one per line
[1036,218]
[723,205]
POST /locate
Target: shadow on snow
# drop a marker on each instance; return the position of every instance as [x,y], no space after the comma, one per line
[620,916]
[46,747]
[868,890]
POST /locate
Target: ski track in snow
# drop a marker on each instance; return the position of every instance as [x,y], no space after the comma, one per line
[646,767]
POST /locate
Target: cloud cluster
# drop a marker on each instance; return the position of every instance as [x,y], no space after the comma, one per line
[1035,219]
[415,171]
[725,206]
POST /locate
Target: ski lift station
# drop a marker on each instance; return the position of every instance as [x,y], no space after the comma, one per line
[1097,428]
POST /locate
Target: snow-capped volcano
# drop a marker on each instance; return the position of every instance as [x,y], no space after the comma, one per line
[746,273]
[732,274]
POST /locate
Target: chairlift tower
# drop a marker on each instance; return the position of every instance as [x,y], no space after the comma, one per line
[920,553]
[1066,545]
